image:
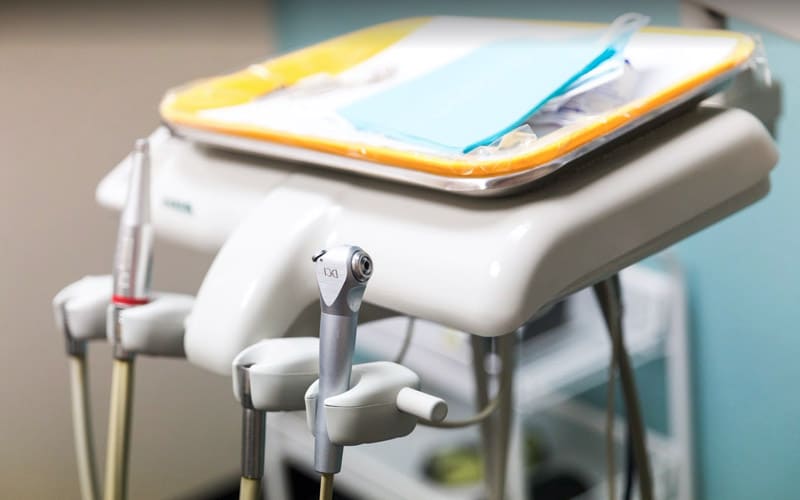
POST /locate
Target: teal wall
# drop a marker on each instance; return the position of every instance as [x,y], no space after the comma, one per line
[743,272]
[745,290]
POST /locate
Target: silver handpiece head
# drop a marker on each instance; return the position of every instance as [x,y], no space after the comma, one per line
[133,256]
[342,275]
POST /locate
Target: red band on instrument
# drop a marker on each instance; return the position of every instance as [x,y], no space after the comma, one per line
[128,301]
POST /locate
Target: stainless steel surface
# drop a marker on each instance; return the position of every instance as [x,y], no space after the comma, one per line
[361,265]
[467,186]
[245,395]
[132,260]
[114,329]
[497,449]
[254,423]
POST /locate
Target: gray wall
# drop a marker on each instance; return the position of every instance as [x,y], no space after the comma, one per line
[77,86]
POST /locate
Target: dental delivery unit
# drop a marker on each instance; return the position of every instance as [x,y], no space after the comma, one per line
[468,172]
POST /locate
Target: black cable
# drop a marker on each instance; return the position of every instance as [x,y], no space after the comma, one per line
[608,293]
[630,466]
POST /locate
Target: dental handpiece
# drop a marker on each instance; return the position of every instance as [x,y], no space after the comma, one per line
[131,288]
[342,275]
[134,252]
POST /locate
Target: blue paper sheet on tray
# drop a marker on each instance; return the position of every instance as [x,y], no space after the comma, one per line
[483,95]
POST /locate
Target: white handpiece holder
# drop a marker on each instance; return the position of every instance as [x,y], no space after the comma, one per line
[80,309]
[275,373]
[156,328]
[383,403]
[271,375]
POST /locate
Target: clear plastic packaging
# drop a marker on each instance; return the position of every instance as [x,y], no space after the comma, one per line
[601,99]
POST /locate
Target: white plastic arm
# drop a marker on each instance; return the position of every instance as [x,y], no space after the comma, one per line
[260,281]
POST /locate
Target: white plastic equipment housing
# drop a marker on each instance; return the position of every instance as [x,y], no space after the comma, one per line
[156,328]
[279,371]
[371,411]
[81,307]
[482,266]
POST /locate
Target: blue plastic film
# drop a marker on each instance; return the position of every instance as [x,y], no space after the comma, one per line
[483,95]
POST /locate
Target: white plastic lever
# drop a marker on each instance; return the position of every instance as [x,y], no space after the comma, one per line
[369,412]
[421,405]
[156,328]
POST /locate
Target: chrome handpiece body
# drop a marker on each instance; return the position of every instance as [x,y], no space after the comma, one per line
[254,423]
[131,288]
[134,252]
[342,275]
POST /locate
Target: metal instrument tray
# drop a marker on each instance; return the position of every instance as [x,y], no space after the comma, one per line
[677,67]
